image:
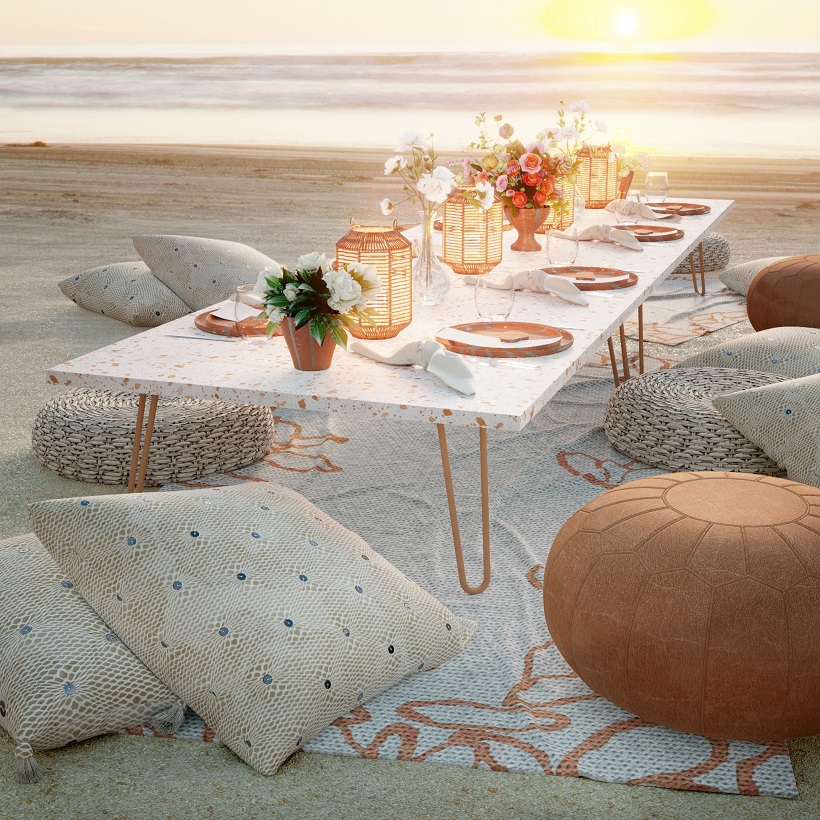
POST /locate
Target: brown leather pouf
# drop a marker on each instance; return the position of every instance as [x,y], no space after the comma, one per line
[786,294]
[693,600]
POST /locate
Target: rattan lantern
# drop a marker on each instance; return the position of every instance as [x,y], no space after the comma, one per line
[562,213]
[597,176]
[471,236]
[391,254]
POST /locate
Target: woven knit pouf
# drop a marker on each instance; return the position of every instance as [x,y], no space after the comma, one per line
[715,255]
[88,435]
[666,419]
[693,600]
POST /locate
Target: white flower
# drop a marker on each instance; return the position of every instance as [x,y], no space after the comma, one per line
[444,173]
[644,160]
[387,206]
[618,148]
[273,270]
[579,107]
[411,140]
[433,188]
[368,278]
[600,125]
[291,292]
[393,164]
[487,194]
[313,261]
[567,132]
[345,291]
[275,315]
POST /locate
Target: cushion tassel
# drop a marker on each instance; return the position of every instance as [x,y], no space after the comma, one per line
[168,721]
[26,769]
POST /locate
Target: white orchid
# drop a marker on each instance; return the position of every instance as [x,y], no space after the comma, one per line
[411,140]
[393,164]
[487,192]
[387,206]
[345,291]
[579,107]
[313,261]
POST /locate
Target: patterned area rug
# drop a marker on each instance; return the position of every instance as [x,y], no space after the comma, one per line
[509,702]
[676,314]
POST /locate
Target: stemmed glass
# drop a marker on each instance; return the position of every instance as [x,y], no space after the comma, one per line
[656,186]
[494,303]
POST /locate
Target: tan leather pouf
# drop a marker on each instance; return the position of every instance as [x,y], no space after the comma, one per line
[693,600]
[786,294]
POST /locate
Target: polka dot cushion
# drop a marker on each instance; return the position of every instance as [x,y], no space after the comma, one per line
[126,291]
[782,419]
[64,675]
[268,617]
[199,271]
[788,351]
[739,277]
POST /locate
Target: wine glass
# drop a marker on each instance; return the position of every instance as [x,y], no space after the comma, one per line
[247,304]
[656,186]
[494,302]
[562,247]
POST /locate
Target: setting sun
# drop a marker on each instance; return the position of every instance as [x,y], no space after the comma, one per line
[626,23]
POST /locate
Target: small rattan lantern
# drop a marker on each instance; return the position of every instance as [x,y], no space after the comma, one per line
[471,236]
[597,176]
[562,213]
[391,254]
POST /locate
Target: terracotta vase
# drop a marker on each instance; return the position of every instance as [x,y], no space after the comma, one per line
[526,221]
[306,352]
[623,185]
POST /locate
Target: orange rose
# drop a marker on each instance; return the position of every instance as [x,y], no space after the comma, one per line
[548,185]
[539,197]
[519,199]
[532,179]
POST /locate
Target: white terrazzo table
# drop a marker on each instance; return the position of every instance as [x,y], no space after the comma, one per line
[509,392]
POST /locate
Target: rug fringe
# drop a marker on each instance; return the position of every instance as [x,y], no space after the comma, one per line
[26,769]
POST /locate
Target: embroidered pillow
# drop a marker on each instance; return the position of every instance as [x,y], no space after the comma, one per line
[126,291]
[788,351]
[268,617]
[783,420]
[201,272]
[739,277]
[64,675]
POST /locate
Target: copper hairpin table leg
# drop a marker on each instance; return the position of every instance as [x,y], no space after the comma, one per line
[615,377]
[485,510]
[142,446]
[640,339]
[702,290]
[624,354]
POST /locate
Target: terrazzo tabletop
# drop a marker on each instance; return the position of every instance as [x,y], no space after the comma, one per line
[509,391]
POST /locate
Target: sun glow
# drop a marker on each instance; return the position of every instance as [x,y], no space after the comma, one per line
[626,23]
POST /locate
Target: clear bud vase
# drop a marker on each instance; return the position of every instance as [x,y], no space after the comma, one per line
[431,280]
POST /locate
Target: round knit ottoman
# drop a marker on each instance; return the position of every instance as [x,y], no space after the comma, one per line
[715,255]
[786,294]
[88,435]
[693,600]
[666,419]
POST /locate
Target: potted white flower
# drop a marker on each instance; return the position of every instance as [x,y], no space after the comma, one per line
[314,303]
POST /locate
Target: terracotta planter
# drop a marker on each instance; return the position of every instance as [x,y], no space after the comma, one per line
[623,185]
[306,352]
[526,221]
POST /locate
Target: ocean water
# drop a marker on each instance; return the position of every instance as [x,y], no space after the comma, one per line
[693,104]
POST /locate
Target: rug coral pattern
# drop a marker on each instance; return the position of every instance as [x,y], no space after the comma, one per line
[509,702]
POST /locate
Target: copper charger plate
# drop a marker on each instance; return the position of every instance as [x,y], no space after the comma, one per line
[603,277]
[208,323]
[494,329]
[653,233]
[681,208]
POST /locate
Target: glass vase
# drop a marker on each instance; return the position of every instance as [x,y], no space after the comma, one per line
[431,281]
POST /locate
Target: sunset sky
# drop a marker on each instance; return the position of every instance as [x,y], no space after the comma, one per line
[51,26]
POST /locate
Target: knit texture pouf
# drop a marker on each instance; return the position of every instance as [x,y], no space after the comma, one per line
[786,293]
[716,254]
[666,419]
[693,600]
[88,435]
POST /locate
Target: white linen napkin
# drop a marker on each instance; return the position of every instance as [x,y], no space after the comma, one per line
[605,233]
[429,355]
[538,281]
[236,311]
[629,207]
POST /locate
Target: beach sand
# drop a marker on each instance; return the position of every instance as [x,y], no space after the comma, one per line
[64,209]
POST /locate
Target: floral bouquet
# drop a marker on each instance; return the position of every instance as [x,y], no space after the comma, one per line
[573,131]
[628,163]
[318,295]
[522,175]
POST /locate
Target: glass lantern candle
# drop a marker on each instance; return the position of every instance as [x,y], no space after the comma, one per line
[391,254]
[471,236]
[597,176]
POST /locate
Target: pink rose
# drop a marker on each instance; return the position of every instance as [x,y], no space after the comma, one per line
[505,131]
[501,183]
[519,199]
[530,163]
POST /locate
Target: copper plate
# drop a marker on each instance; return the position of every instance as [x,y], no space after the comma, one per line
[603,277]
[653,233]
[225,327]
[534,331]
[682,208]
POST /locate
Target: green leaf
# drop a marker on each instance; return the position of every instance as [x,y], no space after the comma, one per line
[339,335]
[301,318]
[318,329]
[271,328]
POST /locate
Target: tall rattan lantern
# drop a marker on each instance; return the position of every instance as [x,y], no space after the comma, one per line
[597,176]
[562,214]
[471,236]
[391,254]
